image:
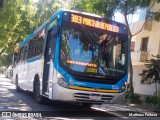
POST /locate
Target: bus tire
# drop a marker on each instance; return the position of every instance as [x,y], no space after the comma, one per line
[86,105]
[39,98]
[18,89]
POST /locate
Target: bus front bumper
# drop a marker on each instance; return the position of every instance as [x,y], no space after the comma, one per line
[71,95]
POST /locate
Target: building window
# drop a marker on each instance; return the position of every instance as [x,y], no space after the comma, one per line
[144,44]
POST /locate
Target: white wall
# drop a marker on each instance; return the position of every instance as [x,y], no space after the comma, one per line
[139,37]
[154,39]
[145,89]
[153,49]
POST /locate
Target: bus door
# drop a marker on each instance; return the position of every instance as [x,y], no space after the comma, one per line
[48,64]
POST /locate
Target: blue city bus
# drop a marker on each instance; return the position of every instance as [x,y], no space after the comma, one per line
[74,57]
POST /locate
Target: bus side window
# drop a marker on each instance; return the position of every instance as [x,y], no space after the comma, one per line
[31,52]
[53,47]
[52,40]
[26,51]
[21,53]
[39,46]
[17,58]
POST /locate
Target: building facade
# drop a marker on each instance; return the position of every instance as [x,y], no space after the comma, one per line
[144,45]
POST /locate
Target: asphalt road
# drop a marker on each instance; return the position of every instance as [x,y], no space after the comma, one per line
[10,100]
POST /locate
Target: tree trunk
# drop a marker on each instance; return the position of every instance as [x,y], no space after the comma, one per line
[130,67]
[130,35]
[131,76]
[156,88]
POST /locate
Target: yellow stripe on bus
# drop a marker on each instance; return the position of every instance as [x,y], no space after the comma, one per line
[94,90]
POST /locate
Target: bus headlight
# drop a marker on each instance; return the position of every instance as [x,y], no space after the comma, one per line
[124,87]
[62,82]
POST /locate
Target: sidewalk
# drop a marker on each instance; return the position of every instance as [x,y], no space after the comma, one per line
[144,106]
[125,109]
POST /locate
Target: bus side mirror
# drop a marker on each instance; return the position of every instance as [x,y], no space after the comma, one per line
[55,30]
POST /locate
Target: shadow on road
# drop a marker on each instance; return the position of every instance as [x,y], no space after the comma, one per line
[11,100]
[57,108]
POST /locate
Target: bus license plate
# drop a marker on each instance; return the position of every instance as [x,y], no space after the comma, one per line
[95,97]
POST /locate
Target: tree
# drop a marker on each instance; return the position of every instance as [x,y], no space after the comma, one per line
[15,25]
[45,8]
[18,19]
[152,71]
[107,8]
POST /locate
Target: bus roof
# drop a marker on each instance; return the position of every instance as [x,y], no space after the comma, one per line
[59,12]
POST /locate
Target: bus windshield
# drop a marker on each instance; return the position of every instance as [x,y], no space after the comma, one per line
[91,51]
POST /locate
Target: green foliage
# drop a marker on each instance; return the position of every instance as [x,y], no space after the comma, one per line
[6,59]
[157,15]
[45,8]
[130,95]
[109,7]
[18,19]
[14,23]
[153,100]
[78,5]
[152,70]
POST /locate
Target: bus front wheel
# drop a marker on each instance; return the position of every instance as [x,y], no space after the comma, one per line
[86,105]
[39,98]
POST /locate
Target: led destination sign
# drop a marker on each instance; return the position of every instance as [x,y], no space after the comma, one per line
[81,63]
[93,23]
